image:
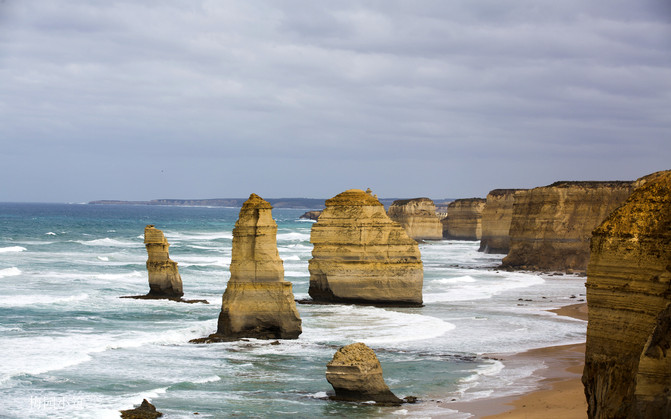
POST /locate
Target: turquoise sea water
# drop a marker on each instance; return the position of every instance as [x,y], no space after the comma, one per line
[71,348]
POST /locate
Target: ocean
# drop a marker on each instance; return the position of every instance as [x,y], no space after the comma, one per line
[72,348]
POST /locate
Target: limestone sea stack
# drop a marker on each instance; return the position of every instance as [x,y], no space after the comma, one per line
[356,375]
[360,256]
[164,278]
[627,362]
[496,218]
[418,217]
[552,225]
[258,302]
[464,219]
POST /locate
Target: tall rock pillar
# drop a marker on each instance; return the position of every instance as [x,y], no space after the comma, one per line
[164,278]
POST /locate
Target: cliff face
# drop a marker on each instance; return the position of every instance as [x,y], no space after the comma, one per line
[552,225]
[356,375]
[496,218]
[164,278]
[627,362]
[258,302]
[361,256]
[418,218]
[464,219]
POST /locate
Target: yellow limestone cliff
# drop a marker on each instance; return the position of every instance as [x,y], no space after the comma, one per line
[552,225]
[464,219]
[496,218]
[418,217]
[164,278]
[627,362]
[361,256]
[258,302]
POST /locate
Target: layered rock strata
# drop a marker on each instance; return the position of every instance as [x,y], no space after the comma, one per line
[418,218]
[627,362]
[356,375]
[164,278]
[464,219]
[496,218]
[258,302]
[361,256]
[552,225]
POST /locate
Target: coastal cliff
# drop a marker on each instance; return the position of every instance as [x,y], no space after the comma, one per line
[164,278]
[258,302]
[361,256]
[627,363]
[551,225]
[418,217]
[496,218]
[464,219]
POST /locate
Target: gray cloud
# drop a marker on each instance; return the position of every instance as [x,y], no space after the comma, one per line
[138,100]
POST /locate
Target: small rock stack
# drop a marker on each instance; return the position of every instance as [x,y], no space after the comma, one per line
[164,278]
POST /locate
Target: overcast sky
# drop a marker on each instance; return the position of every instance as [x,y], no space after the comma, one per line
[139,100]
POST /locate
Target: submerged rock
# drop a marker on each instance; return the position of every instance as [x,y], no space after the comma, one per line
[464,219]
[361,256]
[356,375]
[552,225]
[627,361]
[258,302]
[418,217]
[164,278]
[146,410]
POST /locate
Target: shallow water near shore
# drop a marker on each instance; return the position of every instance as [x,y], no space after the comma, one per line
[72,348]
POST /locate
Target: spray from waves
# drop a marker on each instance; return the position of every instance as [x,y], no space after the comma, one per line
[371,325]
[12,249]
[13,271]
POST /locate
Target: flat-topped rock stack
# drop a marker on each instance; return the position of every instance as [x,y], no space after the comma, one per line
[418,217]
[356,375]
[496,218]
[258,302]
[164,278]
[464,219]
[361,256]
[552,225]
[627,362]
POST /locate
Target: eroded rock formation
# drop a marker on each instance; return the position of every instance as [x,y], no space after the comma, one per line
[418,218]
[356,375]
[361,256]
[164,278]
[145,410]
[628,363]
[464,219]
[552,225]
[258,302]
[311,215]
[496,218]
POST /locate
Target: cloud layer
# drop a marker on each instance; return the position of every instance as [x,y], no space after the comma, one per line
[189,99]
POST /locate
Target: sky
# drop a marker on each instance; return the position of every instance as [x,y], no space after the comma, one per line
[139,100]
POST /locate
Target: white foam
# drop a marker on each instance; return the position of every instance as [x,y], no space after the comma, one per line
[33,299]
[51,233]
[293,236]
[12,249]
[483,288]
[292,257]
[107,242]
[319,395]
[13,271]
[125,275]
[456,280]
[209,379]
[103,258]
[199,236]
[187,261]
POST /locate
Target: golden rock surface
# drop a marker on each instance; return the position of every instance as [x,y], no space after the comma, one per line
[356,375]
[552,225]
[258,302]
[164,278]
[418,217]
[628,363]
[496,218]
[464,219]
[361,256]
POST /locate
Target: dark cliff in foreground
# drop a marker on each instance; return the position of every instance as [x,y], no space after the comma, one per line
[627,362]
[551,225]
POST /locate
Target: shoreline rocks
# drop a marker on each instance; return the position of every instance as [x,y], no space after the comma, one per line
[551,225]
[464,219]
[258,302]
[311,215]
[360,256]
[418,217]
[145,410]
[627,361]
[356,375]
